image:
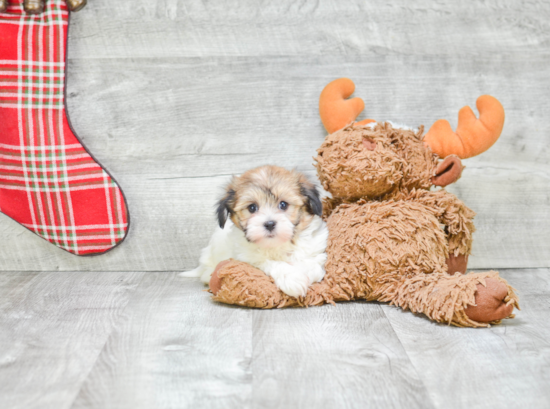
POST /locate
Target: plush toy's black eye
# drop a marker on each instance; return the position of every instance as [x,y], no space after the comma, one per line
[283,205]
[253,208]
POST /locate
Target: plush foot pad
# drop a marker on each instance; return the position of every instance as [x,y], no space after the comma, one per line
[492,302]
[215,280]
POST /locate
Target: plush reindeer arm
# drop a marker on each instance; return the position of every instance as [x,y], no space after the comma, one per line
[452,213]
[238,283]
[470,300]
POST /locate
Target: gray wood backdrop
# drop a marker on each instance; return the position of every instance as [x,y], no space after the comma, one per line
[173,97]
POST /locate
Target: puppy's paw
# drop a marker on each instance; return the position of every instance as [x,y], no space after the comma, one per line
[294,286]
[314,271]
[293,282]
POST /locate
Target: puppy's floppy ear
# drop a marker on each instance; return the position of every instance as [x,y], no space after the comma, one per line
[313,200]
[225,206]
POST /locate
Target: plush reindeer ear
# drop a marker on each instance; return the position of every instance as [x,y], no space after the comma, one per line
[448,171]
[313,199]
[225,206]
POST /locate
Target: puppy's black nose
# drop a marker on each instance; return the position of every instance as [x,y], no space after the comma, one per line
[270,225]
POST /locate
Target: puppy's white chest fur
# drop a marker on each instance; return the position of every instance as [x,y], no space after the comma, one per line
[293,265]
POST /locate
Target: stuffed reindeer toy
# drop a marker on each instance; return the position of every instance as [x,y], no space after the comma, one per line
[391,238]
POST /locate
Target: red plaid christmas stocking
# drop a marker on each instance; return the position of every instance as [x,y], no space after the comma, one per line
[49,182]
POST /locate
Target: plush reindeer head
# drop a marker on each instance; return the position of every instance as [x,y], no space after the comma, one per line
[368,159]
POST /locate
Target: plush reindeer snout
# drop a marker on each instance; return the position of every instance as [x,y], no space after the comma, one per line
[369,144]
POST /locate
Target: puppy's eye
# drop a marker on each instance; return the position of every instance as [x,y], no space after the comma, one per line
[283,205]
[253,208]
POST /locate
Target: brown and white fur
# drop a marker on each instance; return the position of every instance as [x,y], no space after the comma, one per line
[274,224]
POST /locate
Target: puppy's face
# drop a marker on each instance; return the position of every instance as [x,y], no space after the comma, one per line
[270,205]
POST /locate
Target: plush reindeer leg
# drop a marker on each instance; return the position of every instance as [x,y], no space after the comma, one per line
[471,300]
[458,221]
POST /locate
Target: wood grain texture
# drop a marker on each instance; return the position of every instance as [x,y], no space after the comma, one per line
[174,348]
[196,28]
[505,366]
[172,138]
[142,340]
[173,97]
[52,328]
[332,357]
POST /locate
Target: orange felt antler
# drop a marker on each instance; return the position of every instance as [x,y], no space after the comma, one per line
[335,110]
[473,136]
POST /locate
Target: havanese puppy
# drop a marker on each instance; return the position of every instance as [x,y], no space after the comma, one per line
[274,224]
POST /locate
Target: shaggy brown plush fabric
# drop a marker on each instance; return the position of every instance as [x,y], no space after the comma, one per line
[391,239]
[441,297]
[400,162]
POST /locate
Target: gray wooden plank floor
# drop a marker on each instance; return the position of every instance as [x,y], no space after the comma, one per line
[155,340]
[173,97]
